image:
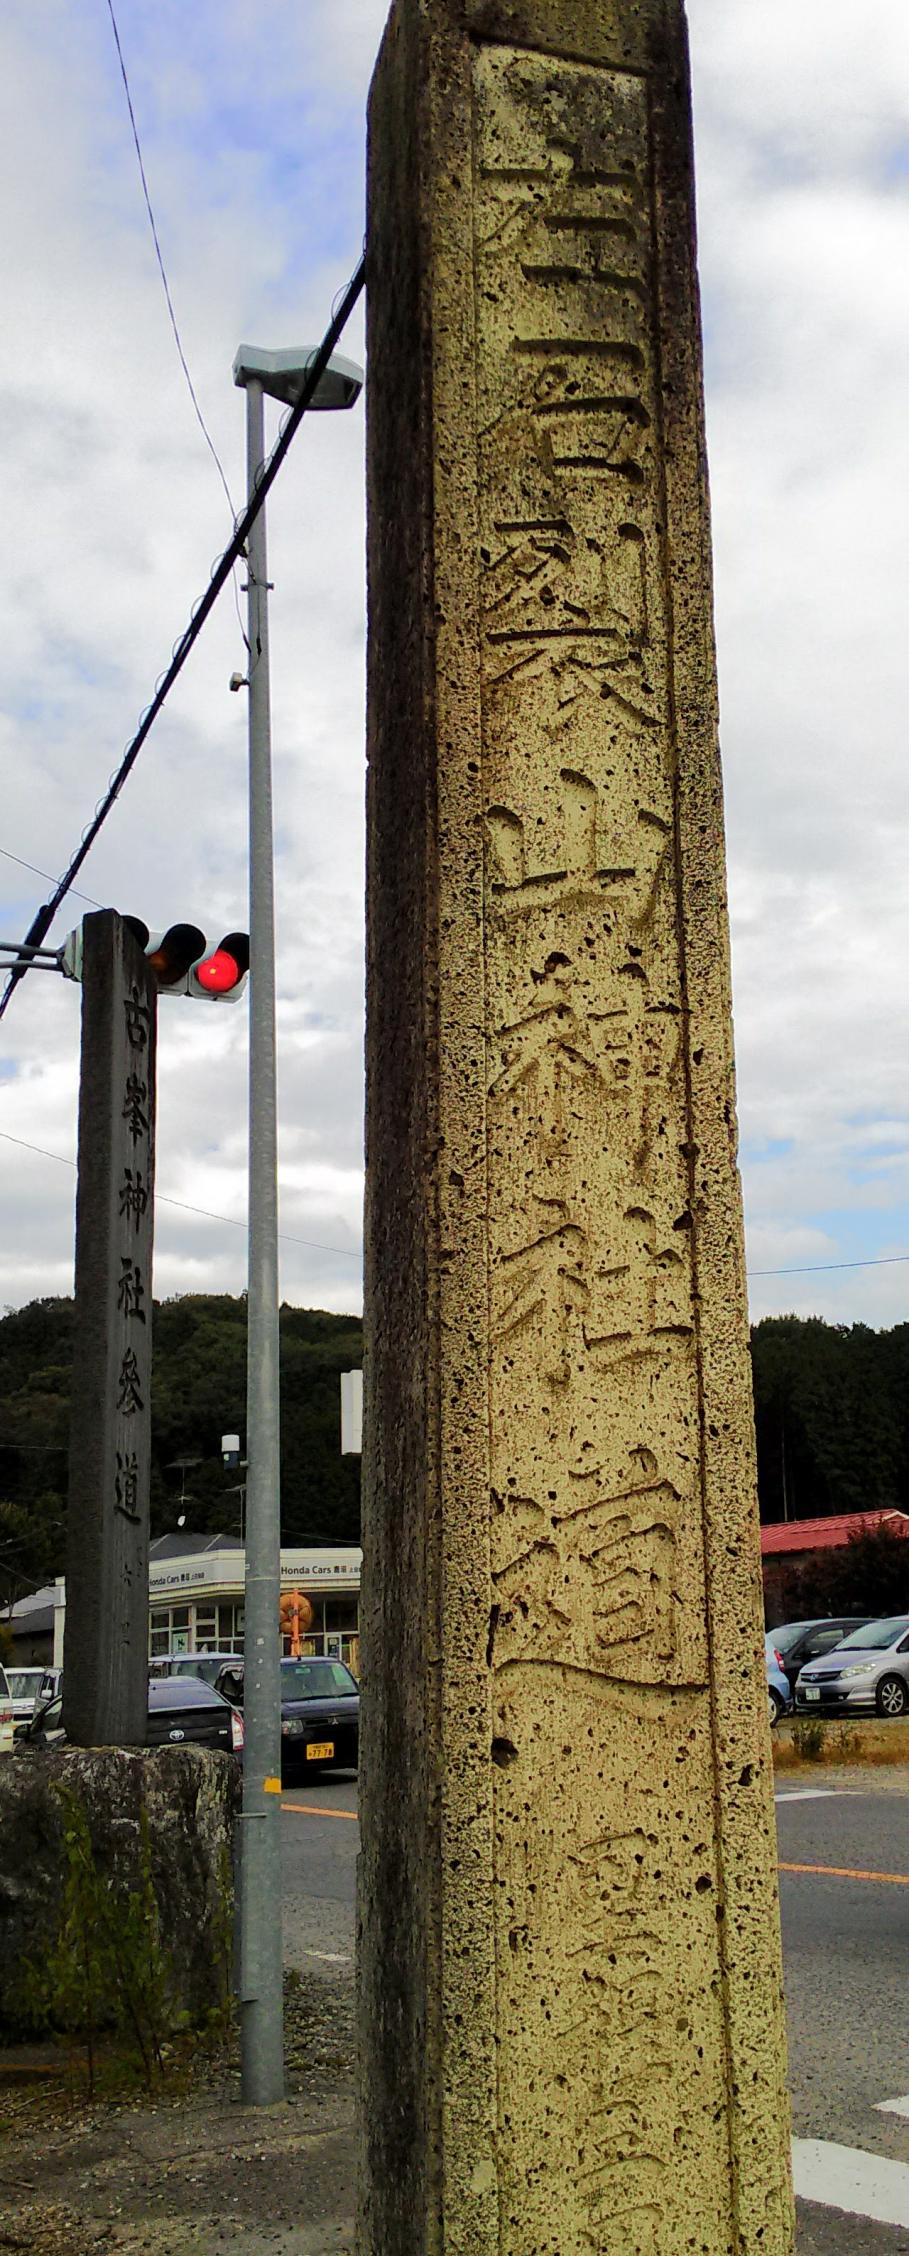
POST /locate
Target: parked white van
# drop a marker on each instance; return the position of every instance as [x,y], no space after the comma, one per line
[7,1725]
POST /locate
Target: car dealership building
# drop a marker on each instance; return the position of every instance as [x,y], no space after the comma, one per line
[196,1600]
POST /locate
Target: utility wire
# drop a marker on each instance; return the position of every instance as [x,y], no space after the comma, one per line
[817,1268]
[203,426]
[314,1244]
[44,1448]
[36,872]
[809,1269]
[44,917]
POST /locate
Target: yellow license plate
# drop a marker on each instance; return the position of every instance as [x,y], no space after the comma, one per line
[322,1751]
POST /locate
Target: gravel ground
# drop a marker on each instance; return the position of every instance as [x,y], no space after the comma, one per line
[863,1778]
[191,2172]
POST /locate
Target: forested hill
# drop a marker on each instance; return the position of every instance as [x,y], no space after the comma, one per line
[831,1407]
[198,1394]
[832,1415]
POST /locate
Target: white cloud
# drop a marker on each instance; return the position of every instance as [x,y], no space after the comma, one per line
[254,150]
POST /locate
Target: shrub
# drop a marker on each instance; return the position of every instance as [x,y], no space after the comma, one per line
[106,1968]
[808,1738]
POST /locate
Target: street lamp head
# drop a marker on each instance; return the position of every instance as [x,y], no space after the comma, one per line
[283,374]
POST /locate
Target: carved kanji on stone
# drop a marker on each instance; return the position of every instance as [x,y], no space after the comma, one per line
[138,1015]
[126,1485]
[105,1688]
[130,1289]
[135,1107]
[130,1397]
[133,1195]
[573,1930]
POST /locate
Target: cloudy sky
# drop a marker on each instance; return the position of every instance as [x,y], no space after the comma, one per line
[252,128]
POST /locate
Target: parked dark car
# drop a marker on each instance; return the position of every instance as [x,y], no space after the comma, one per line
[320,1715]
[206,1665]
[181,1711]
[800,1641]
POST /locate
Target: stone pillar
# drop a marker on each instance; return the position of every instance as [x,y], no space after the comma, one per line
[572,2030]
[105,1650]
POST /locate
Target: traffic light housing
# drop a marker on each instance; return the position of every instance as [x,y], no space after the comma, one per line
[183,961]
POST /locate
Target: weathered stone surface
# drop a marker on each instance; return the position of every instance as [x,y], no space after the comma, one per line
[191,1798]
[572,2025]
[105,1676]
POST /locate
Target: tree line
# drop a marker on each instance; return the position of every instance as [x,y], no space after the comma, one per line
[198,1394]
[831,1407]
[831,1416]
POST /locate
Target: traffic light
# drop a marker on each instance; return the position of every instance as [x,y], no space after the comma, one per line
[182,960]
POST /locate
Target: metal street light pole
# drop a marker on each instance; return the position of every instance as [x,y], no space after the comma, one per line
[261,1962]
[261,1965]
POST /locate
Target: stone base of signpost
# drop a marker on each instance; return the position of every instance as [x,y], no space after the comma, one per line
[162,1821]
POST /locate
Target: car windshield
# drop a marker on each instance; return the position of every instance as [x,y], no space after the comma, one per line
[23,1682]
[787,1635]
[315,1680]
[873,1636]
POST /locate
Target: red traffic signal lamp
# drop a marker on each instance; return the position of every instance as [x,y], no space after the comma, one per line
[185,964]
[182,960]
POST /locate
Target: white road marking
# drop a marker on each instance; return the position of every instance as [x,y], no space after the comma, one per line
[331,1958]
[892,2106]
[844,2177]
[813,1794]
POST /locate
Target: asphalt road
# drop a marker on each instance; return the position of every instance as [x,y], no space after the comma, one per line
[319,1848]
[844,1892]
[845,1918]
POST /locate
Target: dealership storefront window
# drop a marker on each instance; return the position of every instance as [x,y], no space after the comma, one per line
[335,1630]
[219,1629]
[195,1601]
[203,1628]
[196,1598]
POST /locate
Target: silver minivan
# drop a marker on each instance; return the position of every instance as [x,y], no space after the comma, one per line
[868,1671]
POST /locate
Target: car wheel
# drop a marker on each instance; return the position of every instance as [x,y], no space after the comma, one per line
[774,1706]
[892,1696]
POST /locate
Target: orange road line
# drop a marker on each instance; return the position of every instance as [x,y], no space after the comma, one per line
[314,1809]
[844,1872]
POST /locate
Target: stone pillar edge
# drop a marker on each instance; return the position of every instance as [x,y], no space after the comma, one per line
[450,1214]
[755,2022]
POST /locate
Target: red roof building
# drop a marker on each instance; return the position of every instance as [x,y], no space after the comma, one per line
[795,1538]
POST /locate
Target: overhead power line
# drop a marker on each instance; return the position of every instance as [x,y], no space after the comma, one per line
[203,426]
[802,1269]
[819,1268]
[36,872]
[314,1245]
[44,917]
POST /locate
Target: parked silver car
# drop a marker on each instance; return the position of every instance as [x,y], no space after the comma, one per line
[869,1670]
[796,1643]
